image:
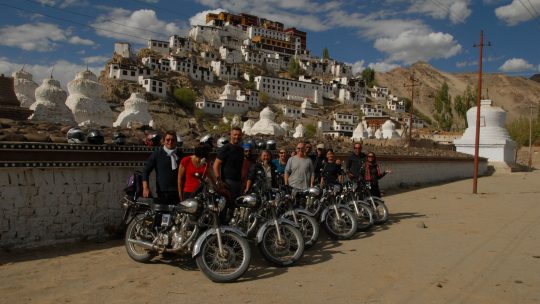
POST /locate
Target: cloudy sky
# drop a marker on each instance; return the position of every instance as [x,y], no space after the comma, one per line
[67,35]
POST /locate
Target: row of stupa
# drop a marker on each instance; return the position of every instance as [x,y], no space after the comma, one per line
[84,105]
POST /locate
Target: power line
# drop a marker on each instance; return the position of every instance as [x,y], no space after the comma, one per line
[71,21]
[533,8]
[93,16]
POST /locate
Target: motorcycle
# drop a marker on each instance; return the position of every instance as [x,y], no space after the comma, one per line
[364,214]
[338,221]
[221,252]
[377,204]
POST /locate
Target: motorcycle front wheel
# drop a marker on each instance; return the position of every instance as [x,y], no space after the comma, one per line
[308,226]
[364,216]
[228,265]
[286,251]
[343,227]
[381,212]
[140,230]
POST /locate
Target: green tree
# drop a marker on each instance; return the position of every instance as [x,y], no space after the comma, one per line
[294,68]
[519,130]
[368,74]
[325,53]
[264,98]
[311,131]
[185,97]
[443,108]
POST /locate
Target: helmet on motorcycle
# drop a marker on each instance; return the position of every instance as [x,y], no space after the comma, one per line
[207,139]
[152,140]
[222,141]
[271,144]
[75,136]
[119,138]
[261,145]
[95,137]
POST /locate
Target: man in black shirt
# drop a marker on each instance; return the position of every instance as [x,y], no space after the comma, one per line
[165,161]
[228,164]
[331,172]
[355,162]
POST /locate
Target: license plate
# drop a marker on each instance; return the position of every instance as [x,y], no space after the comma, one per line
[165,219]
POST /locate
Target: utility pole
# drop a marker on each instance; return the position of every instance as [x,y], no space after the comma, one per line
[531,107]
[478,98]
[414,83]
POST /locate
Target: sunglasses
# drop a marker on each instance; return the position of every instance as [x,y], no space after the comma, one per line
[281,152]
[357,148]
[299,148]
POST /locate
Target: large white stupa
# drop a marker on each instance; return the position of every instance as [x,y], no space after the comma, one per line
[86,102]
[299,131]
[389,130]
[495,142]
[135,111]
[246,127]
[266,124]
[50,103]
[360,132]
[25,88]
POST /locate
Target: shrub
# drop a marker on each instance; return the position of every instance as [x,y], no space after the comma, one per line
[185,98]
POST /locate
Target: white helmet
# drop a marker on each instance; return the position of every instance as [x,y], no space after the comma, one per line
[222,141]
[75,136]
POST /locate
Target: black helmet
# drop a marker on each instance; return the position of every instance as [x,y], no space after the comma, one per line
[119,138]
[271,144]
[75,136]
[95,137]
[208,140]
[261,145]
[152,140]
[222,141]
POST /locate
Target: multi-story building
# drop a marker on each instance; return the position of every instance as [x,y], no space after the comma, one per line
[370,110]
[282,88]
[225,71]
[154,86]
[396,105]
[251,97]
[291,112]
[345,118]
[162,64]
[230,55]
[210,107]
[127,72]
[379,93]
[159,46]
[178,43]
[124,50]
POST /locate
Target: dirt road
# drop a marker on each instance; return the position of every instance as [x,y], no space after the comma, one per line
[441,245]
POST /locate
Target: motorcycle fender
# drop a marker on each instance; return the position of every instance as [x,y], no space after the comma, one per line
[298,211]
[265,226]
[324,213]
[211,231]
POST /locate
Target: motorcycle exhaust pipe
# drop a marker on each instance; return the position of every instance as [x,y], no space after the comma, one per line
[144,244]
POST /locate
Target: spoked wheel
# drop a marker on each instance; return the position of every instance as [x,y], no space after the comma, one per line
[364,215]
[308,226]
[343,227]
[228,265]
[381,212]
[139,230]
[286,251]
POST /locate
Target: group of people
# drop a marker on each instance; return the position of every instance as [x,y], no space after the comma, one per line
[234,170]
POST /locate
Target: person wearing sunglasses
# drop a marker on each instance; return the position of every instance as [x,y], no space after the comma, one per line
[355,162]
[371,173]
[280,162]
[165,162]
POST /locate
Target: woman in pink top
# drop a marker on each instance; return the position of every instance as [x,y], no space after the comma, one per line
[189,165]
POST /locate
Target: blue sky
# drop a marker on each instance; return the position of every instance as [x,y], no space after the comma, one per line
[381,34]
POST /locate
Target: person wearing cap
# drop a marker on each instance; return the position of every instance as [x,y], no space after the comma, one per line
[228,164]
[320,158]
[355,162]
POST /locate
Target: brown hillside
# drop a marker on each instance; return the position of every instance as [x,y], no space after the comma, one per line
[510,93]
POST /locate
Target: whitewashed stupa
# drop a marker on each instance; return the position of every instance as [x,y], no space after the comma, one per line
[86,102]
[389,130]
[495,142]
[236,122]
[360,132]
[285,126]
[299,131]
[378,134]
[266,124]
[370,132]
[50,103]
[135,111]
[246,127]
[25,88]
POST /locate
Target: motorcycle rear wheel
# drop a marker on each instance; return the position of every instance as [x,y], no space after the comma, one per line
[364,217]
[230,265]
[139,229]
[284,253]
[308,226]
[342,228]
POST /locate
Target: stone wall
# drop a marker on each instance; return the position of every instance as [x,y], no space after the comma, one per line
[44,206]
[48,206]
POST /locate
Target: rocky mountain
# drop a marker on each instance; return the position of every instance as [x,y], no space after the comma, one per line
[535,77]
[509,92]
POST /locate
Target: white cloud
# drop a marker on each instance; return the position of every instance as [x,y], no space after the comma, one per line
[79,40]
[455,10]
[200,18]
[518,11]
[47,2]
[40,37]
[358,66]
[143,25]
[96,59]
[64,71]
[516,65]
[383,66]
[412,46]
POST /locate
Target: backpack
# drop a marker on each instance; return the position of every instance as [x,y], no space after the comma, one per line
[134,185]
